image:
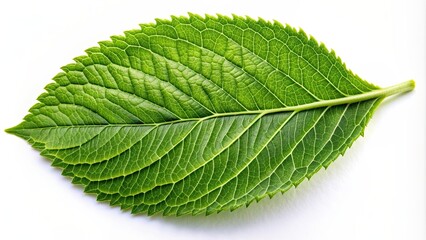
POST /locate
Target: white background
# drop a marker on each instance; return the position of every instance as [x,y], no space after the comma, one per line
[376,191]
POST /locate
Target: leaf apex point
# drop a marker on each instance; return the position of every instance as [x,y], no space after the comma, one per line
[11,130]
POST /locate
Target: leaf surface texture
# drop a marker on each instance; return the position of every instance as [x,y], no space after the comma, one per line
[199,114]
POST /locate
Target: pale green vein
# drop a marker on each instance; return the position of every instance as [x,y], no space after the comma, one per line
[379,93]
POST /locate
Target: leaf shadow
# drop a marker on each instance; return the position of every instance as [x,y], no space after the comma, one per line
[265,210]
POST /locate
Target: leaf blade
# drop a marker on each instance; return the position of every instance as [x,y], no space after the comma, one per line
[200,114]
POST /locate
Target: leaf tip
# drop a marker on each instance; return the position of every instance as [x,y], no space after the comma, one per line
[11,130]
[18,131]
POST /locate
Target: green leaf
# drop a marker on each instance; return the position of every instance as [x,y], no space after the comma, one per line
[200,115]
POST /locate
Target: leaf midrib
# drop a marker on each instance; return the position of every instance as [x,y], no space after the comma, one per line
[379,93]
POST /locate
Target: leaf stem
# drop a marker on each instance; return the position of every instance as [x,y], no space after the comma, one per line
[399,88]
[379,93]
